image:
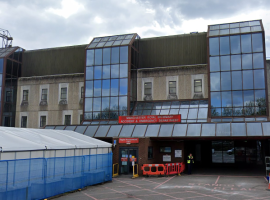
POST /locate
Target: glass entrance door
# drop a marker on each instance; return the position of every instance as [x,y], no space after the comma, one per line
[125,162]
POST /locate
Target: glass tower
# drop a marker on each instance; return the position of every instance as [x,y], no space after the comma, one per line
[237,70]
[109,77]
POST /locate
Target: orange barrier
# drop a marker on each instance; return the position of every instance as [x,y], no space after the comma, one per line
[173,168]
[153,169]
[183,167]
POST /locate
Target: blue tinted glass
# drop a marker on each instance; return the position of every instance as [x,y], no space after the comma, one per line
[123,103]
[89,73]
[114,87]
[225,63]
[96,115]
[227,111]
[115,55]
[236,62]
[123,70]
[88,88]
[258,60]
[260,99]
[97,72]
[247,79]
[216,112]
[224,45]
[215,81]
[226,99]
[124,54]
[97,104]
[106,71]
[105,103]
[259,82]
[236,80]
[225,80]
[97,88]
[114,103]
[88,104]
[246,43]
[1,79]
[237,98]
[238,111]
[105,87]
[89,58]
[106,56]
[215,99]
[115,71]
[1,65]
[123,86]
[98,56]
[257,42]
[247,61]
[214,46]
[235,44]
[249,98]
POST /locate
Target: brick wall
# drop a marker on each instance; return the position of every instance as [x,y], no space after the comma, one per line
[143,145]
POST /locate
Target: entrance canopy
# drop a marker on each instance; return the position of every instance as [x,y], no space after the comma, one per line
[24,139]
[230,129]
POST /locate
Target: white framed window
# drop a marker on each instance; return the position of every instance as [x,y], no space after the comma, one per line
[67,117]
[198,85]
[67,120]
[63,92]
[172,87]
[63,95]
[43,121]
[23,121]
[148,88]
[25,95]
[44,92]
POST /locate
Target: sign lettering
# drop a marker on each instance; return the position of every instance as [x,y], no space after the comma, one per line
[149,119]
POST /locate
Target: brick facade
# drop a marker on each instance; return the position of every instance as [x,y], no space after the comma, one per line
[143,145]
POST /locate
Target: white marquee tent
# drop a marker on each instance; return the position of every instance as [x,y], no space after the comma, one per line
[23,143]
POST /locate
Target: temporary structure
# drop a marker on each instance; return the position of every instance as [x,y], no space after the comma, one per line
[24,143]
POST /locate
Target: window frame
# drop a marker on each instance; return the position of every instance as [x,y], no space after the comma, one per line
[23,122]
[10,96]
[62,93]
[197,86]
[65,122]
[82,92]
[42,121]
[148,88]
[44,94]
[172,87]
[149,153]
[25,95]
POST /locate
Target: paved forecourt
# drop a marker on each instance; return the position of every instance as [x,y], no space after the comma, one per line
[220,187]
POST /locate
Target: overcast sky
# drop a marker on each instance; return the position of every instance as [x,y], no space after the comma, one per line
[37,24]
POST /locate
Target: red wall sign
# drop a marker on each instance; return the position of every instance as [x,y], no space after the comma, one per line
[149,119]
[124,159]
[128,140]
[133,159]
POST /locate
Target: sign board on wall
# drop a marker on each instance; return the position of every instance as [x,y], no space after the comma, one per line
[178,154]
[166,158]
[149,119]
[128,140]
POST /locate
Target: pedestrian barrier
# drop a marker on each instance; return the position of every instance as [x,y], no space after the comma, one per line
[153,169]
[40,178]
[183,167]
[173,168]
[268,182]
[135,171]
[115,170]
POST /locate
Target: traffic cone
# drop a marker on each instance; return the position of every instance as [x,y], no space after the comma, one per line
[269,182]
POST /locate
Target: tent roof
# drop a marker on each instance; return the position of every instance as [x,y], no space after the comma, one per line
[26,139]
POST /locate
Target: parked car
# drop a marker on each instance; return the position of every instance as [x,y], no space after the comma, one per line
[230,151]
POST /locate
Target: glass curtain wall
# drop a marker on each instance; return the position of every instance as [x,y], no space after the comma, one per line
[10,70]
[237,74]
[107,77]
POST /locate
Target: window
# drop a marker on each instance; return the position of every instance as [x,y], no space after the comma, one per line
[172,87]
[25,95]
[148,88]
[63,93]
[150,152]
[24,120]
[7,121]
[81,118]
[82,92]
[198,85]
[8,96]
[42,121]
[67,120]
[44,93]
[165,149]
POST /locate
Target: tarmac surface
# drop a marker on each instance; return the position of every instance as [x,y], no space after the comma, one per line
[197,186]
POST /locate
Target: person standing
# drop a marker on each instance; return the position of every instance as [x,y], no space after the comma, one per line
[190,162]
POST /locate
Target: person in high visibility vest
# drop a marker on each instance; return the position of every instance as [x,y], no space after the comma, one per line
[190,162]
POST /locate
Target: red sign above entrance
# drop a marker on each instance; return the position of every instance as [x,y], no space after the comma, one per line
[149,119]
[128,140]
